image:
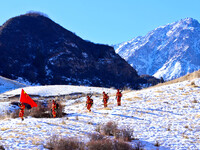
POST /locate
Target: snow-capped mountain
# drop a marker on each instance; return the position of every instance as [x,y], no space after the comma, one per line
[169,51]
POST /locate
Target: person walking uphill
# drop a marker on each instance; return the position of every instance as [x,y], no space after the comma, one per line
[21,112]
[89,103]
[118,97]
[105,99]
[53,109]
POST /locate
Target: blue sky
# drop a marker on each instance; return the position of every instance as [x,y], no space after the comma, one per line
[106,21]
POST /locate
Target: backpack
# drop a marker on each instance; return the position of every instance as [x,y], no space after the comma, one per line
[57,105]
[91,101]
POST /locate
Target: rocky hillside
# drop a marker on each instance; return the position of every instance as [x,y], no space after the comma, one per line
[38,50]
[7,84]
[169,51]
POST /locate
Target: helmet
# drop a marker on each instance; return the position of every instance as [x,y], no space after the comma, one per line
[103,92]
[88,97]
[117,90]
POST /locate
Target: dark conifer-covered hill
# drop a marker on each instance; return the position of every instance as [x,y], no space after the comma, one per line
[37,49]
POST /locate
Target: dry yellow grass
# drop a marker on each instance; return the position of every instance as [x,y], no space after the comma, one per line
[38,126]
[190,76]
[148,101]
[23,133]
[107,108]
[37,141]
[4,128]
[197,116]
[159,91]
[20,123]
[129,99]
[59,128]
[110,103]
[186,93]
[138,98]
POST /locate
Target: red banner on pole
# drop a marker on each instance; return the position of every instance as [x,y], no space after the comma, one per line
[25,98]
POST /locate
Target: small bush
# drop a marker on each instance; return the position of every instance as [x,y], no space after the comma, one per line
[108,144]
[124,134]
[39,111]
[95,137]
[56,143]
[121,145]
[98,128]
[2,148]
[105,144]
[192,83]
[194,101]
[157,144]
[109,128]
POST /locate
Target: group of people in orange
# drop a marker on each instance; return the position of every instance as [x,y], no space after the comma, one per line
[89,104]
[89,101]
[54,108]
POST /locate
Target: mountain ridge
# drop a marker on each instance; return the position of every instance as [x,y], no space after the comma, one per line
[38,50]
[168,51]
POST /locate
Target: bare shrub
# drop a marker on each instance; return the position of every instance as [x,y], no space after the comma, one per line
[2,148]
[108,144]
[121,145]
[194,101]
[52,142]
[157,144]
[105,144]
[39,111]
[56,143]
[98,128]
[124,134]
[192,83]
[14,114]
[109,128]
[95,137]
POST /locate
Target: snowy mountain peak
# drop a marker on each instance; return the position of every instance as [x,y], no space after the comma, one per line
[168,51]
[191,22]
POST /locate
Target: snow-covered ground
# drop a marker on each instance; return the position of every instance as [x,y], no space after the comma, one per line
[168,114]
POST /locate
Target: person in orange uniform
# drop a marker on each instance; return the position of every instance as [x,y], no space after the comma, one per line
[105,99]
[118,97]
[89,103]
[53,108]
[21,112]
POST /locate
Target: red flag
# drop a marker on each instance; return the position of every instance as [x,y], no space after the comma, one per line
[25,98]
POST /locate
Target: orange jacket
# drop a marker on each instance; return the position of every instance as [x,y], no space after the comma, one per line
[119,94]
[89,101]
[53,106]
[22,106]
[105,96]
